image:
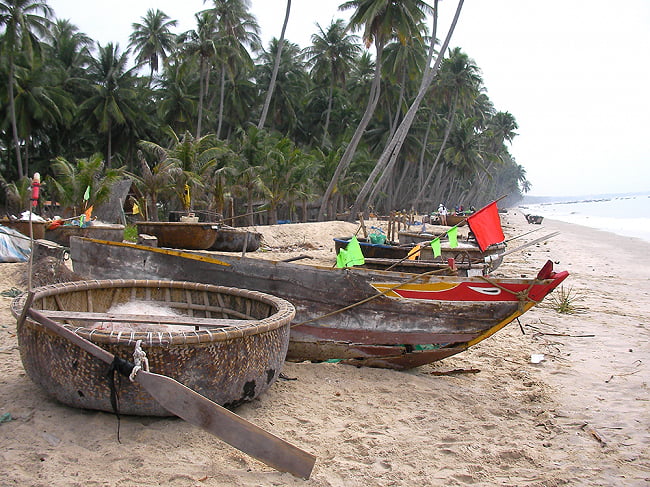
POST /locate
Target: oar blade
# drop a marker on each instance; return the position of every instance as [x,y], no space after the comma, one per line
[226,425]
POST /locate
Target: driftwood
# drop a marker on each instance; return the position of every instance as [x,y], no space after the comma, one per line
[454,372]
[587,428]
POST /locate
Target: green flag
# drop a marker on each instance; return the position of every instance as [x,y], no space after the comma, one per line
[351,255]
[341,258]
[452,234]
[87,194]
[355,255]
[435,246]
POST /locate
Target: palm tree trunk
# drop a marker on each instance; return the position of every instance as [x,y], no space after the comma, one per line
[400,100]
[14,125]
[27,156]
[423,152]
[450,124]
[110,147]
[401,194]
[346,159]
[201,95]
[221,98]
[276,66]
[327,114]
[251,214]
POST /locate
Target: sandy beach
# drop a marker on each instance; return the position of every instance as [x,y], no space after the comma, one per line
[488,416]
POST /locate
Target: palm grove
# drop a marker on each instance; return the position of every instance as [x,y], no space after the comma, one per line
[278,128]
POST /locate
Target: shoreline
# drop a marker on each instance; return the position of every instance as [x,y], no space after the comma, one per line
[614,214]
[488,416]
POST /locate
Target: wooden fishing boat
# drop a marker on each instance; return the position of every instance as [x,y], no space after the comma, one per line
[450,267]
[466,254]
[363,316]
[181,235]
[453,219]
[224,343]
[104,231]
[231,239]
[536,219]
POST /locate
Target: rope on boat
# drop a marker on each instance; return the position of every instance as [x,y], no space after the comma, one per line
[522,296]
[124,368]
[140,360]
[375,296]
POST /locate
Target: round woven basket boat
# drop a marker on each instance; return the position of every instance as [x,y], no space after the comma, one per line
[181,235]
[233,350]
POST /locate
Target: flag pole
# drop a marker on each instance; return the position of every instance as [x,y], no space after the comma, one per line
[35,189]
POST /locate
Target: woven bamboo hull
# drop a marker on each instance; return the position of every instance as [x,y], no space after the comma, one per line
[181,235]
[232,240]
[229,365]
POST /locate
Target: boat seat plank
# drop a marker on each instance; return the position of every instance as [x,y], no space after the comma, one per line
[133,318]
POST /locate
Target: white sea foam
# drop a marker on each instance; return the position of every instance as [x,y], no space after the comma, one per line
[627,215]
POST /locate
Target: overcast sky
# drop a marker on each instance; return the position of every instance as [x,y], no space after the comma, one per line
[575,74]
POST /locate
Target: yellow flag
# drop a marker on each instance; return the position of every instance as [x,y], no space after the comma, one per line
[186,197]
[414,253]
[136,209]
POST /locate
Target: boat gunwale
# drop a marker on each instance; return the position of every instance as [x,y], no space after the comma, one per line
[213,258]
[284,312]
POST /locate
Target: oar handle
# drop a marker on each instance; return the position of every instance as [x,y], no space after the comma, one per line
[62,331]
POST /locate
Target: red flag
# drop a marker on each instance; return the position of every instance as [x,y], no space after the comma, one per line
[486,226]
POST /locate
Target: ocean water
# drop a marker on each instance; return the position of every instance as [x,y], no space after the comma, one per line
[627,215]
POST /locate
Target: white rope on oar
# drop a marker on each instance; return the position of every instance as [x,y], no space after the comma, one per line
[140,360]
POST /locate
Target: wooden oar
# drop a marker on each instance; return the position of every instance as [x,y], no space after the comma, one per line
[201,411]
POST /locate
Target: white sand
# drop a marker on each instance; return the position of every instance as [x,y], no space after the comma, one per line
[579,417]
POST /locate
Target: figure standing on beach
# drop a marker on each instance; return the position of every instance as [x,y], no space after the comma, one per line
[442,212]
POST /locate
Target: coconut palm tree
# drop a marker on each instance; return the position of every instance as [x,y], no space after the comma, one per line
[112,102]
[292,83]
[22,20]
[460,84]
[70,48]
[17,194]
[200,43]
[193,156]
[392,149]
[177,103]
[236,30]
[285,176]
[155,178]
[71,180]
[252,147]
[331,57]
[381,21]
[152,40]
[41,105]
